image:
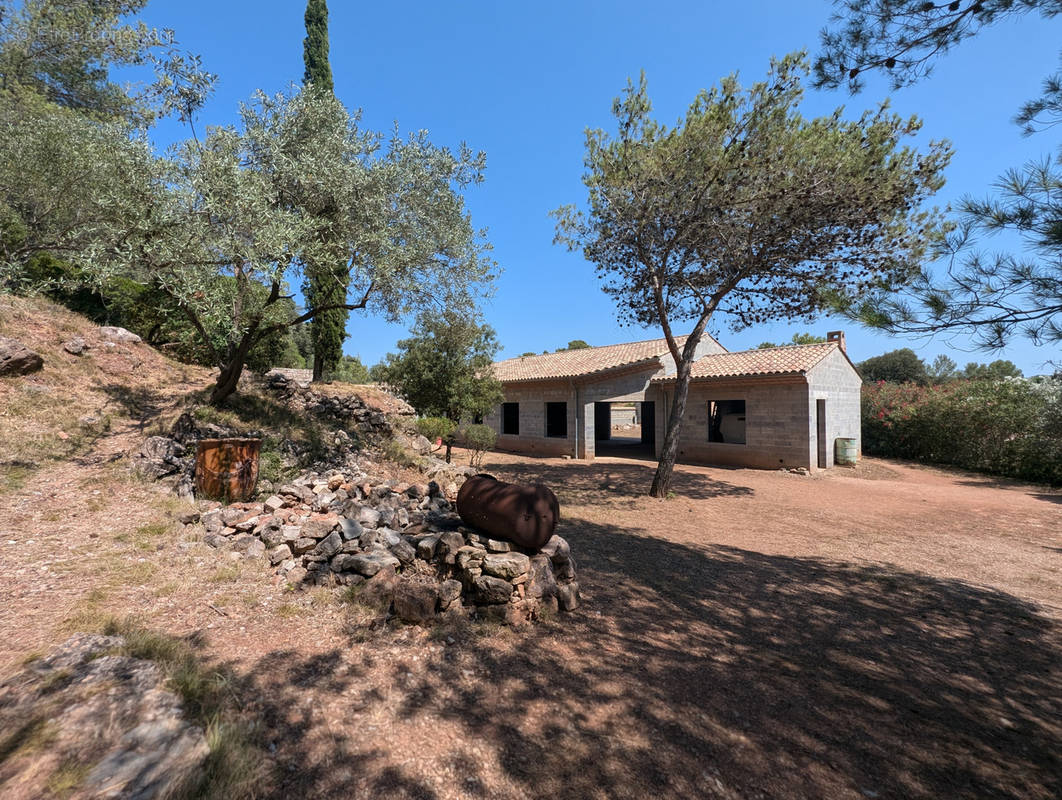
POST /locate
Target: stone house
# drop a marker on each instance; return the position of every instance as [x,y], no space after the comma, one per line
[771,408]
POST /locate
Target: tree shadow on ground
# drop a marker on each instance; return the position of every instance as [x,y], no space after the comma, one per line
[709,672]
[590,483]
[141,404]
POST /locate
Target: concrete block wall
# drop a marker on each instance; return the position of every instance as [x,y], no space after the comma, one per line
[776,426]
[780,413]
[630,385]
[532,397]
[835,380]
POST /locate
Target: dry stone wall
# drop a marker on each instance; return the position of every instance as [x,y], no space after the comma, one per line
[402,546]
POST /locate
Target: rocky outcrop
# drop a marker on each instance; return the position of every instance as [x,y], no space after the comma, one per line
[119,335]
[17,359]
[401,546]
[107,718]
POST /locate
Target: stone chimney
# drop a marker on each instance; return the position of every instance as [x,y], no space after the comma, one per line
[837,336]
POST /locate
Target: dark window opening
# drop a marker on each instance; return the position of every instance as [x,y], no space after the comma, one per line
[557,420]
[511,419]
[726,421]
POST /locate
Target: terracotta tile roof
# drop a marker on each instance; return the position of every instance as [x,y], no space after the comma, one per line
[792,360]
[573,363]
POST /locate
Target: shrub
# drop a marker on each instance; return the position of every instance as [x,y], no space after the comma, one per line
[478,439]
[1004,427]
[436,429]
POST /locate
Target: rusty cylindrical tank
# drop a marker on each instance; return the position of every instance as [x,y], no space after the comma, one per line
[524,515]
[227,469]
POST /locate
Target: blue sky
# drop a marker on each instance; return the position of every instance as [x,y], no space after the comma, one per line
[523,81]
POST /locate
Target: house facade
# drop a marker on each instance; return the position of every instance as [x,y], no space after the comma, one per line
[771,408]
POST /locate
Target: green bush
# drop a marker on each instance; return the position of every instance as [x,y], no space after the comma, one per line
[436,429]
[1004,427]
[479,439]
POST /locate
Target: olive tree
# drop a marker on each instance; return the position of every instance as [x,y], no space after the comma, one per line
[249,202]
[748,212]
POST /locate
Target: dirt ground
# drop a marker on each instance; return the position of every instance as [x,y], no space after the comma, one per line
[883,632]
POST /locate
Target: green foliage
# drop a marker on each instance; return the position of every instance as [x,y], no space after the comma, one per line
[798,338]
[479,439]
[942,370]
[62,53]
[350,370]
[396,453]
[436,429]
[807,338]
[575,344]
[221,224]
[993,297]
[902,38]
[1005,427]
[443,368]
[151,313]
[326,278]
[329,328]
[378,373]
[688,222]
[896,366]
[996,371]
[315,46]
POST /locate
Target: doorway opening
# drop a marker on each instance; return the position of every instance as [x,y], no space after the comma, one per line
[625,429]
[820,432]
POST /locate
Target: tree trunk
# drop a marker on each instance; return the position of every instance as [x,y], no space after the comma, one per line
[227,382]
[669,452]
[449,448]
[229,378]
[318,368]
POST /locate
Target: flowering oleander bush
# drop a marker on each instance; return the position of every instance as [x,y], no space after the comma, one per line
[1007,427]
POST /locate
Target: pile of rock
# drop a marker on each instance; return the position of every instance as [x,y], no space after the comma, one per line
[350,410]
[402,545]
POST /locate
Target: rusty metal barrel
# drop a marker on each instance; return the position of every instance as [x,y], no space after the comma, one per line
[524,515]
[227,469]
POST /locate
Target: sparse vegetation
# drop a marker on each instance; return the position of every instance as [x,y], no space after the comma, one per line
[480,440]
[67,777]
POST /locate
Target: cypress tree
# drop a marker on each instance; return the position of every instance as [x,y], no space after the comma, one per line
[315,46]
[325,283]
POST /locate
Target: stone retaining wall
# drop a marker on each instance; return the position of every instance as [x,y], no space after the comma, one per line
[401,545]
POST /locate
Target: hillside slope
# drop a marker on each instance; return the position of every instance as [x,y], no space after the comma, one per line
[80,406]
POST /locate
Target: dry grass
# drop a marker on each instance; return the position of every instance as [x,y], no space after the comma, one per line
[67,778]
[64,410]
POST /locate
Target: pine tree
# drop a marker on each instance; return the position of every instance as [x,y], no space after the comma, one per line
[326,283]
